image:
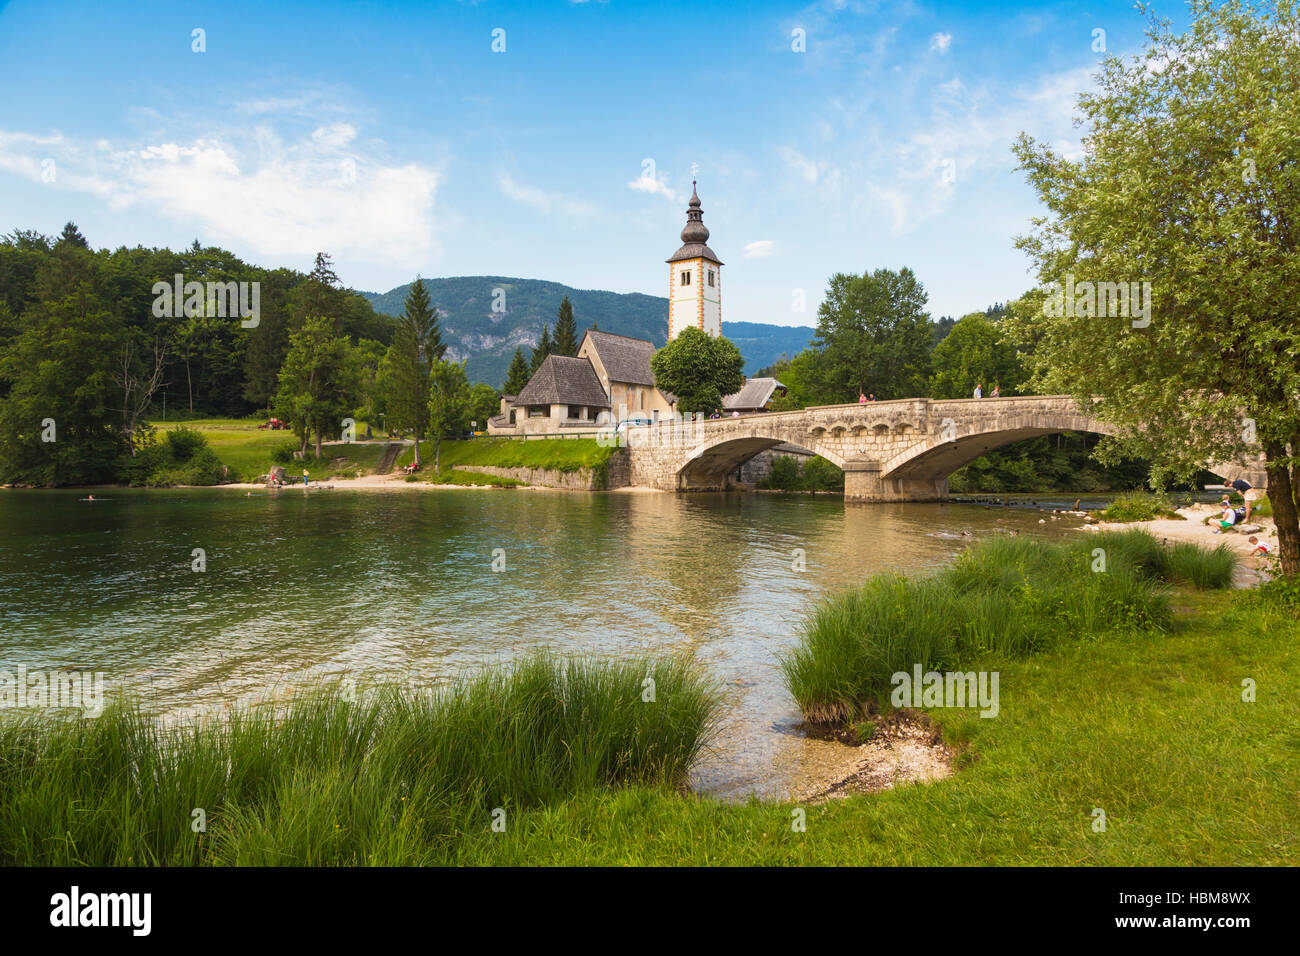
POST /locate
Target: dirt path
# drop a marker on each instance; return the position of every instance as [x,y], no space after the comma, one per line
[389,457]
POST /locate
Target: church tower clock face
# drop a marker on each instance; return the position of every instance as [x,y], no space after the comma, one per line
[694,278]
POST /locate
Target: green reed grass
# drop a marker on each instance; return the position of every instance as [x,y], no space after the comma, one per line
[1004,597]
[391,777]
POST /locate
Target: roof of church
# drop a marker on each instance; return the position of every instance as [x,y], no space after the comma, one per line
[695,234]
[625,359]
[755,393]
[561,380]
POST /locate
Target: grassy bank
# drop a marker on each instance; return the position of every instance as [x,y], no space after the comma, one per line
[1151,729]
[565,455]
[1002,599]
[1148,724]
[392,778]
[249,451]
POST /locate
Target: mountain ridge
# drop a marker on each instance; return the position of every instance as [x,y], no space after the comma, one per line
[483,326]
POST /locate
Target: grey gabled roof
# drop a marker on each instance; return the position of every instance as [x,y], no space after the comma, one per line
[755,393]
[562,380]
[625,359]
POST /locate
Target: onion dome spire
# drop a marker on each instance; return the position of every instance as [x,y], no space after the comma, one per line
[695,229]
[695,234]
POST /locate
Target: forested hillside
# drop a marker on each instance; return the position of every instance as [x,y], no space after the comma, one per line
[485,318]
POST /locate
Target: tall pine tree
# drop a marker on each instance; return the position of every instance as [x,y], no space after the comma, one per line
[518,375]
[417,347]
[544,348]
[566,331]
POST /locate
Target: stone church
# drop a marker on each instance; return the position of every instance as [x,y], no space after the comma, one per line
[609,380]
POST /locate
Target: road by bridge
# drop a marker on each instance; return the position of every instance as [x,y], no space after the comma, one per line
[901,450]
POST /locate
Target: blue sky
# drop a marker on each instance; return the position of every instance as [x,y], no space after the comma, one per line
[394,137]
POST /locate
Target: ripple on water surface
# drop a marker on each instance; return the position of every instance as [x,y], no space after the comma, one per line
[401,587]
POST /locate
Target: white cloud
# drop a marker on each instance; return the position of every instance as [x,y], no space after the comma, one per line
[654,185]
[541,200]
[335,136]
[959,137]
[759,249]
[255,191]
[806,168]
[940,42]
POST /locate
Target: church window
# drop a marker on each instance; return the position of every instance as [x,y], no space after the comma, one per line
[686,277]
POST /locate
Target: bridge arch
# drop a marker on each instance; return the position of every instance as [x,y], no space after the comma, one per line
[942,452]
[710,463]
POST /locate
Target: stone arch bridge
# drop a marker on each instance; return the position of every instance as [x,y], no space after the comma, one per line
[890,451]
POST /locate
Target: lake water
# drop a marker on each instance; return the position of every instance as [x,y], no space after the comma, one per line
[384,586]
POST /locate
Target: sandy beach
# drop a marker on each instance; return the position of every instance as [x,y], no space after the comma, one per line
[1251,570]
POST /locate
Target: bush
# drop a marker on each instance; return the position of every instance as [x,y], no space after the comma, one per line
[1003,597]
[283,454]
[814,474]
[184,458]
[820,475]
[184,443]
[1139,506]
[784,475]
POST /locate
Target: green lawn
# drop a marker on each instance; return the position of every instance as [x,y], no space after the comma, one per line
[557,454]
[247,450]
[1152,730]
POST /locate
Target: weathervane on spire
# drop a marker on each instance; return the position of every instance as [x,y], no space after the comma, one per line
[695,168]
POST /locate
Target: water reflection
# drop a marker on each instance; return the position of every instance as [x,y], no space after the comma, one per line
[388,586]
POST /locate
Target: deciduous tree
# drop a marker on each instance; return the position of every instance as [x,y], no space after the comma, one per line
[699,369]
[1188,181]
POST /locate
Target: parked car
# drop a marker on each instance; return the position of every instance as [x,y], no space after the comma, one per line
[627,423]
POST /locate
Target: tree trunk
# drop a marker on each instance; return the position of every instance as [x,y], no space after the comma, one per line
[318,441]
[417,448]
[1282,498]
[437,456]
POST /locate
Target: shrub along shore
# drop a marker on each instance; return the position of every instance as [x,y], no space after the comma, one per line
[1003,598]
[1144,689]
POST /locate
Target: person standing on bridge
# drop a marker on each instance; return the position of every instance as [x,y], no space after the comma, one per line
[862,398]
[996,393]
[979,392]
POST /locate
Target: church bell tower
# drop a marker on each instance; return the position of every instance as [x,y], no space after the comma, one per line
[694,278]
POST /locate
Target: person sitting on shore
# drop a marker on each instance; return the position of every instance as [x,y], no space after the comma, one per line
[1228,518]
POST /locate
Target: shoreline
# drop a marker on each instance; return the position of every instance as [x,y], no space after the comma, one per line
[1251,571]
